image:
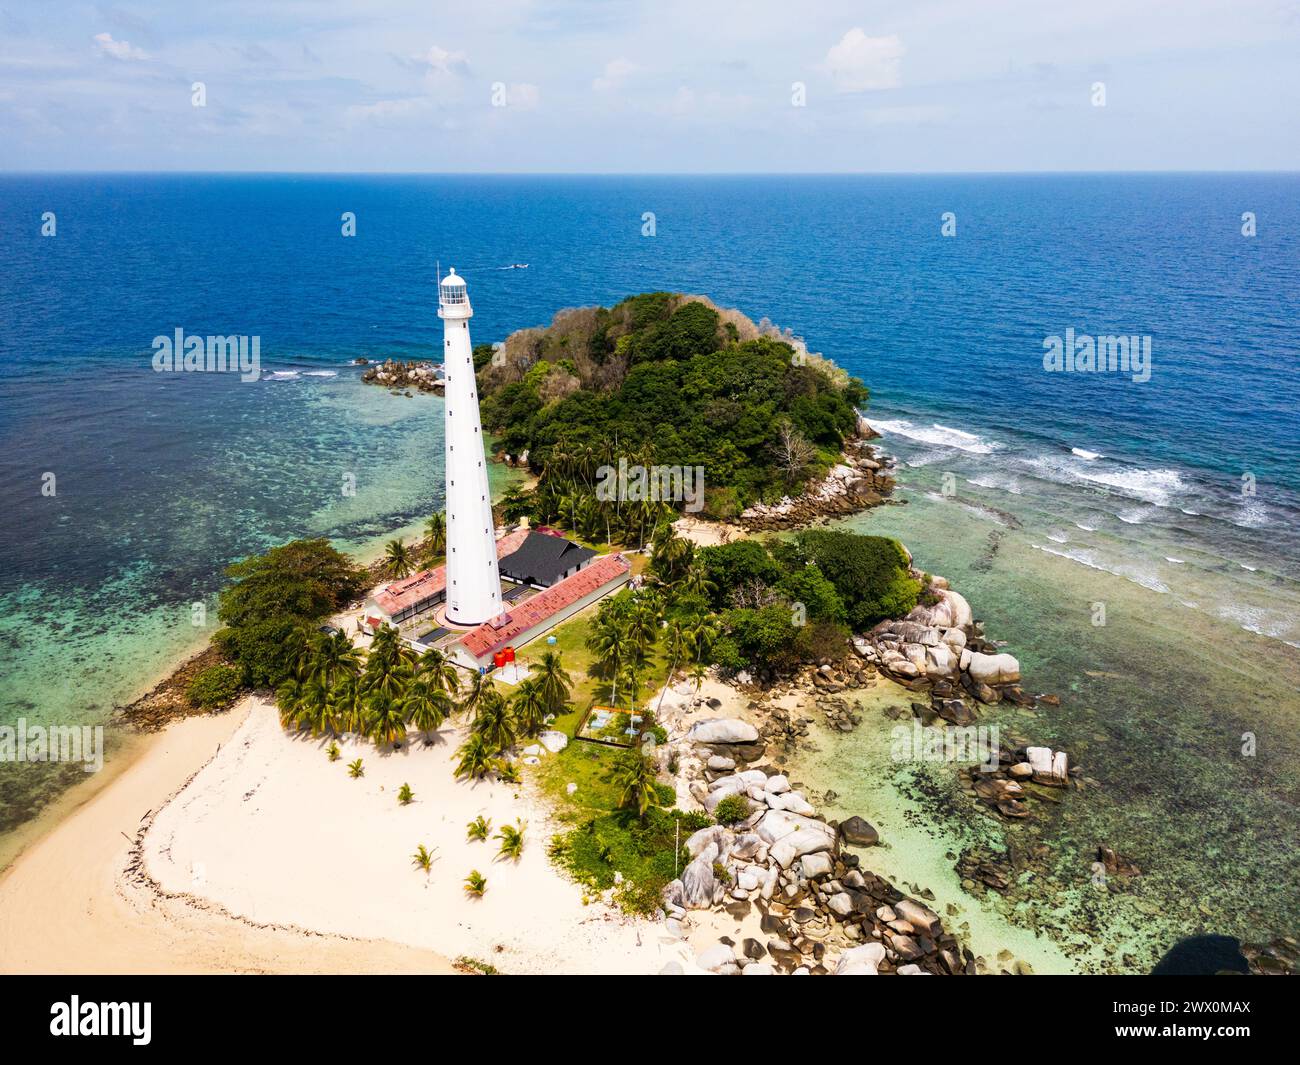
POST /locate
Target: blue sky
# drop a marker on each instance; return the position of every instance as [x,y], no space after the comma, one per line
[650,85]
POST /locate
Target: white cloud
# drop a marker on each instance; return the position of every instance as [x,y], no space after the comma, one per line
[616,72]
[122,50]
[442,61]
[859,63]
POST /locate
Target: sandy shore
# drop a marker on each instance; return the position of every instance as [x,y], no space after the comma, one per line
[71,903]
[272,832]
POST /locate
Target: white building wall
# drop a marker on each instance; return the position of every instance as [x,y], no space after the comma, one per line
[473,585]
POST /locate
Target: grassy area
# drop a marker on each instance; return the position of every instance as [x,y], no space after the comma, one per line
[571,642]
[600,841]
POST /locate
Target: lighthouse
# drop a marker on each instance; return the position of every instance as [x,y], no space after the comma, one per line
[473,586]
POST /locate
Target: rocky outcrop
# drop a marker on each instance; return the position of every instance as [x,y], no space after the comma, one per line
[857,483]
[400,376]
[820,911]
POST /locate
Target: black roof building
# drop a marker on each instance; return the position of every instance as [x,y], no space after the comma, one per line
[543,560]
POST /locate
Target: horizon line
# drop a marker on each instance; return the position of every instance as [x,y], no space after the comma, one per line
[640,173]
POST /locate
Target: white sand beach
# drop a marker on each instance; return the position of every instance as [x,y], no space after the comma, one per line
[72,903]
[273,832]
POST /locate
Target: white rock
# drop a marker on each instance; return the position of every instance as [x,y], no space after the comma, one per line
[955,638]
[720,762]
[718,835]
[911,970]
[860,961]
[840,903]
[553,741]
[940,660]
[993,669]
[778,823]
[741,781]
[715,957]
[918,916]
[723,730]
[792,801]
[698,882]
[812,866]
[777,784]
[798,843]
[758,968]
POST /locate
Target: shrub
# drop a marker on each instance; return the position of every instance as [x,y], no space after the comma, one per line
[213,687]
[870,573]
[732,809]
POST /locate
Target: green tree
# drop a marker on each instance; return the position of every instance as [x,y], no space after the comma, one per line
[634,775]
[274,598]
[435,535]
[398,562]
[425,705]
[476,757]
[529,706]
[555,683]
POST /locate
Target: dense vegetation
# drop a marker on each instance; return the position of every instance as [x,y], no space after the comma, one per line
[275,598]
[213,687]
[663,380]
[790,601]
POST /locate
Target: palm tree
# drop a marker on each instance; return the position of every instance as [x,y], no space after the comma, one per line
[289,698]
[356,770]
[477,759]
[390,663]
[397,559]
[435,532]
[348,704]
[478,829]
[696,581]
[385,719]
[437,666]
[479,685]
[476,883]
[635,774]
[529,705]
[405,795]
[495,721]
[556,684]
[698,674]
[610,643]
[512,841]
[422,858]
[631,677]
[331,657]
[333,751]
[316,710]
[672,554]
[297,650]
[426,706]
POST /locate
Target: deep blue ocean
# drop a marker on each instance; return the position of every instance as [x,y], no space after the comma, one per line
[162,479]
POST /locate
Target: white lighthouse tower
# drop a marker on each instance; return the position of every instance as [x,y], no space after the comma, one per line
[473,586]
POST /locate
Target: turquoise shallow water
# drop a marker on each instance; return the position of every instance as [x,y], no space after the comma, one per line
[1158,705]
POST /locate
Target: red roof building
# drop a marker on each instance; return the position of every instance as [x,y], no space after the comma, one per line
[402,600]
[543,611]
